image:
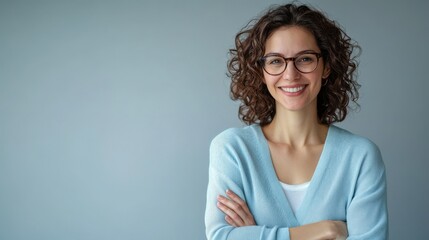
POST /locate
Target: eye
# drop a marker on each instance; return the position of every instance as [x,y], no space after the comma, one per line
[274,60]
[306,59]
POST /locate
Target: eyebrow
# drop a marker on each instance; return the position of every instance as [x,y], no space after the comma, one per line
[298,53]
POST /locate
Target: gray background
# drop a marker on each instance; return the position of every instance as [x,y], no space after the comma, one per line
[107,109]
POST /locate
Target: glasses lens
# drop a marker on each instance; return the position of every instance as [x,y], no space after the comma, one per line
[274,65]
[306,62]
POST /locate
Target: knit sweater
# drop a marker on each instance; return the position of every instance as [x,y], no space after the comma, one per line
[348,184]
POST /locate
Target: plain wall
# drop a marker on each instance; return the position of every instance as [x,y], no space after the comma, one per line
[107,109]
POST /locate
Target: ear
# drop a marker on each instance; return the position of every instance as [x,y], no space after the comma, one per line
[326,71]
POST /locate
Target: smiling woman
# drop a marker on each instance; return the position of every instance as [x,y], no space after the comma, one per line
[291,174]
[294,86]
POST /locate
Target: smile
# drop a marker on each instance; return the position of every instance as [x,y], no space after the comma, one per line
[292,89]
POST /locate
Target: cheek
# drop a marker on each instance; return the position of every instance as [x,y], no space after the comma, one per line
[270,80]
[317,78]
[318,85]
[266,77]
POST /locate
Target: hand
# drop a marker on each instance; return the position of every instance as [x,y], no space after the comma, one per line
[323,230]
[236,210]
[337,230]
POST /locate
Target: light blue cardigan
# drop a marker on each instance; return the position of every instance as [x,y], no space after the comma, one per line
[349,184]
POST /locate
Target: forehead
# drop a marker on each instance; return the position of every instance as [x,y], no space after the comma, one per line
[290,40]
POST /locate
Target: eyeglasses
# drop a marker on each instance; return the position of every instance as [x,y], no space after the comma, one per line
[275,64]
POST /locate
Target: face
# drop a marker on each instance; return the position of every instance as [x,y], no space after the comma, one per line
[293,90]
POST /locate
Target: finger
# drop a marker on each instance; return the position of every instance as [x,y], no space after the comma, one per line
[230,203]
[238,200]
[248,218]
[238,210]
[236,219]
[230,221]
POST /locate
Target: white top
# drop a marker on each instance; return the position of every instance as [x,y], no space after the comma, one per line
[295,193]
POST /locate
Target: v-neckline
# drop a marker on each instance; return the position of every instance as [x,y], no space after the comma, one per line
[294,219]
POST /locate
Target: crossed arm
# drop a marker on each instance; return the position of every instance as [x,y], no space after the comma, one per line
[229,217]
[237,214]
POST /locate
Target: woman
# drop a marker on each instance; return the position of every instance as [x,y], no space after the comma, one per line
[291,174]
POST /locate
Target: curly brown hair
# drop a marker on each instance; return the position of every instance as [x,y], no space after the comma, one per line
[337,49]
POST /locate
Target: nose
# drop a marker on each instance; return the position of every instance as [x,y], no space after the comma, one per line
[290,73]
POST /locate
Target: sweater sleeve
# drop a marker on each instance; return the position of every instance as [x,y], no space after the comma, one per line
[367,211]
[225,172]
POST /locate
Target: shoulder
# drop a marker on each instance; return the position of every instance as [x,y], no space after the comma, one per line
[351,141]
[236,137]
[236,146]
[358,150]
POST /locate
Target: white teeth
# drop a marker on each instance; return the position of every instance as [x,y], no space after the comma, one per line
[292,90]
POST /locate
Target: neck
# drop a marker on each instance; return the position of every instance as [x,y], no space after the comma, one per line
[296,128]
